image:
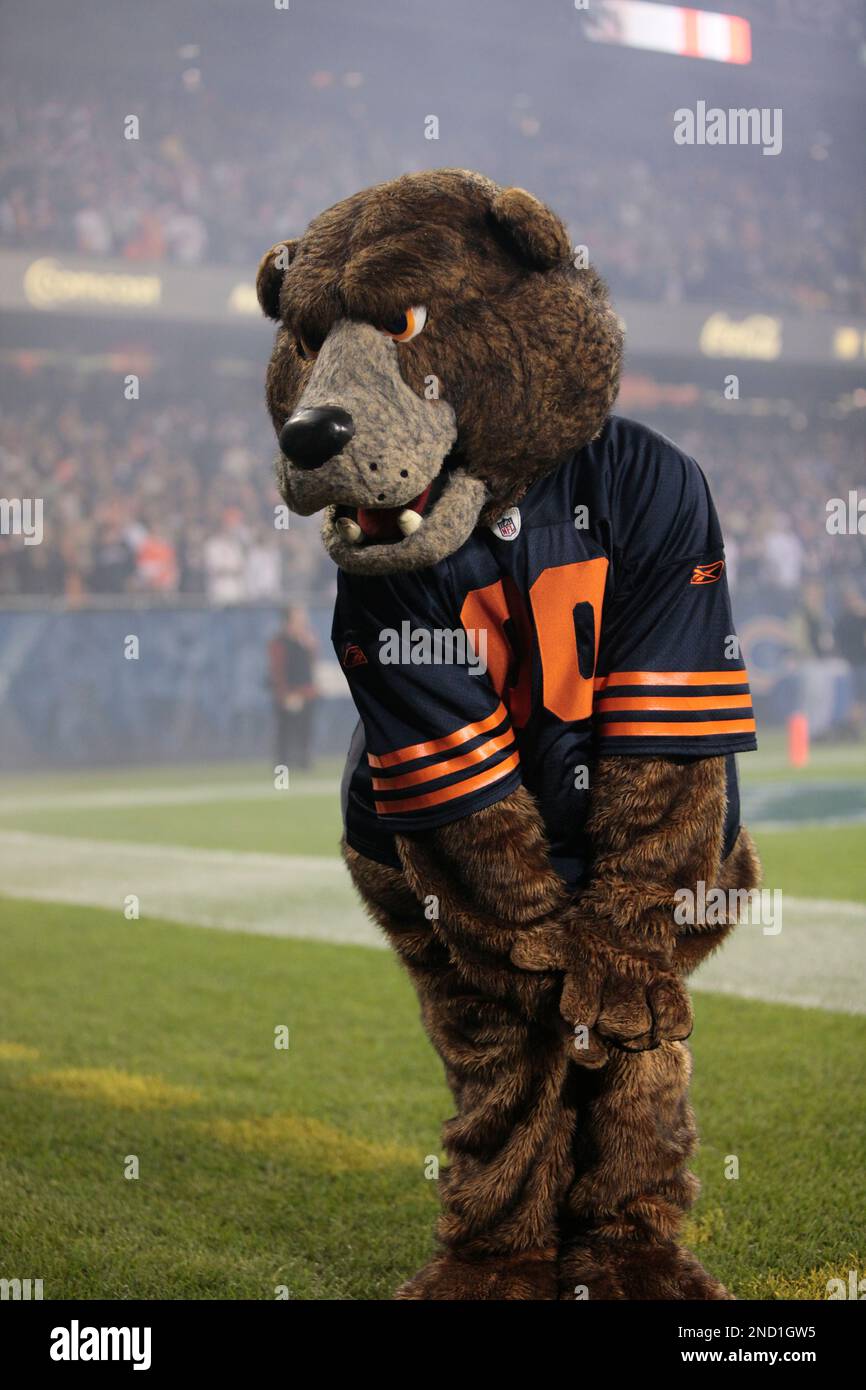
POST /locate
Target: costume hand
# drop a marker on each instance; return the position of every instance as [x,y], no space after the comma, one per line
[620,993]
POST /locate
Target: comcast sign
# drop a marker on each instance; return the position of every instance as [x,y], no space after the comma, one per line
[48,284]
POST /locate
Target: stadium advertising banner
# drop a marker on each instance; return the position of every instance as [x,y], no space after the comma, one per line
[62,284]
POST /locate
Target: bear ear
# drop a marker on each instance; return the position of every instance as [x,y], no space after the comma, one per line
[536,233]
[269,277]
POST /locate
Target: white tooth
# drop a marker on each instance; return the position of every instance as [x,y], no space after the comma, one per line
[409,521]
[349,529]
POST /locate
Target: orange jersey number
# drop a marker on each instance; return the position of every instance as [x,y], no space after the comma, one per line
[566,602]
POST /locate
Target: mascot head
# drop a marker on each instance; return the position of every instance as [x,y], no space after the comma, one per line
[438,351]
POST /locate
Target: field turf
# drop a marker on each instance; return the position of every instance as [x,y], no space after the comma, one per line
[260,1167]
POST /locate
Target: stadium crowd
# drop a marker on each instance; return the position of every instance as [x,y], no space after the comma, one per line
[772,478]
[188,191]
[162,500]
[176,497]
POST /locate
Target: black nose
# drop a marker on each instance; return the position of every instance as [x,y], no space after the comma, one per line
[312,436]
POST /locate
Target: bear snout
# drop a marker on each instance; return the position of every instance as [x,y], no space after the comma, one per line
[359,435]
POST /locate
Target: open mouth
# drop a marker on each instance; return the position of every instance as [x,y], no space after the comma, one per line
[413,535]
[386,525]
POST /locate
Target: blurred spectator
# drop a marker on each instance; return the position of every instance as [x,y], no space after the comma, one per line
[156,562]
[263,565]
[819,672]
[815,630]
[290,667]
[225,560]
[784,553]
[112,559]
[193,540]
[850,635]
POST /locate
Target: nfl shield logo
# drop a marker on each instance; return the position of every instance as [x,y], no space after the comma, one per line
[508,525]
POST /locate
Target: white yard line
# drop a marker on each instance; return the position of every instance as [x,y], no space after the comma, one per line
[817,960]
[272,894]
[773,823]
[118,798]
[759,799]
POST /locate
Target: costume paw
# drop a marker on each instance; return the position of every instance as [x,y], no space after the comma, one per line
[616,992]
[625,1268]
[527,1275]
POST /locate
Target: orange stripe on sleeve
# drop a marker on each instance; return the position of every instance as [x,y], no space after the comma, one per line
[447,765]
[472,784]
[713,726]
[438,745]
[672,678]
[673,702]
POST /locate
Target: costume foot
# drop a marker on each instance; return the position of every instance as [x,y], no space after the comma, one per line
[611,1268]
[524,1274]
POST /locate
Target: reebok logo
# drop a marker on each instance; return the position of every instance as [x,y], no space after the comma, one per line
[707,574]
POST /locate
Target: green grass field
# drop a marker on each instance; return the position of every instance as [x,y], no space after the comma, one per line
[259,1167]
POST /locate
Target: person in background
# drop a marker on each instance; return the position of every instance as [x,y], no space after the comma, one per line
[225,559]
[191,548]
[291,653]
[263,577]
[813,622]
[112,557]
[812,630]
[783,553]
[850,637]
[156,569]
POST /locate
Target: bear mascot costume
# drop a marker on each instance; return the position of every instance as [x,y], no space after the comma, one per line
[534,622]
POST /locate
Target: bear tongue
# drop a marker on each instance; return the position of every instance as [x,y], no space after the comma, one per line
[380,523]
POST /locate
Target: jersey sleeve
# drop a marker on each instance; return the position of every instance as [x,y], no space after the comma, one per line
[439,741]
[670,678]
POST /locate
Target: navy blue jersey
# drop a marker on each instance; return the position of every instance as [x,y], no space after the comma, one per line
[592,619]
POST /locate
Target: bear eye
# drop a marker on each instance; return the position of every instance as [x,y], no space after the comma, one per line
[309,345]
[403,327]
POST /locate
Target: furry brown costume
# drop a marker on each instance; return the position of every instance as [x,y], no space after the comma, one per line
[567,1164]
